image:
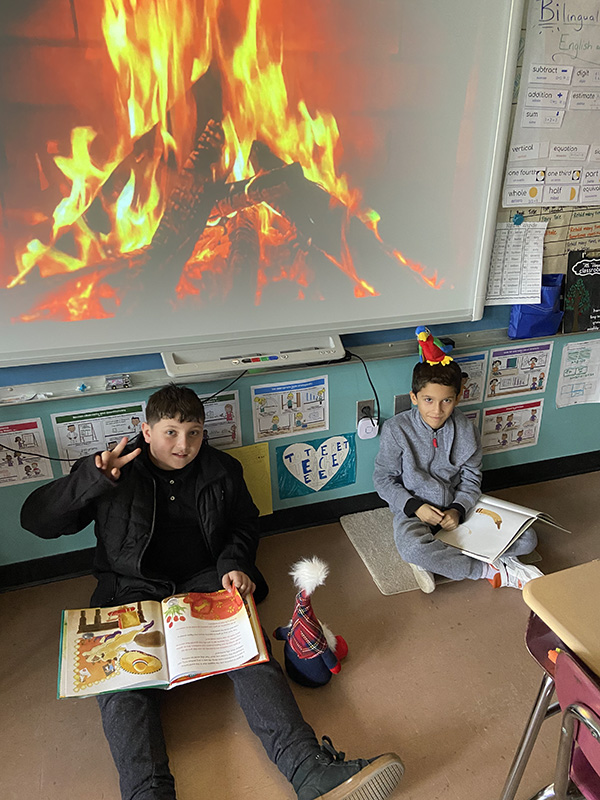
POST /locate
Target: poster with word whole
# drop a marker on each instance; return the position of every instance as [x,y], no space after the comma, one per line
[554,154]
[518,370]
[474,369]
[307,467]
[511,427]
[23,452]
[222,425]
[579,378]
[290,409]
[80,433]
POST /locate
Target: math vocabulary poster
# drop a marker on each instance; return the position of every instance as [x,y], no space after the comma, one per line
[579,379]
[80,433]
[222,425]
[307,467]
[290,409]
[474,370]
[511,427]
[23,453]
[518,370]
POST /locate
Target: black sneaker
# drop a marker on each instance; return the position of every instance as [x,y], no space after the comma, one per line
[326,776]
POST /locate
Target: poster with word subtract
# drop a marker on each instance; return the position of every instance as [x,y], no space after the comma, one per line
[222,425]
[80,433]
[474,368]
[511,427]
[290,409]
[23,452]
[518,370]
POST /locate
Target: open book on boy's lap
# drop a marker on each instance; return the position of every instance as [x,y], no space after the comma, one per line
[491,527]
[151,644]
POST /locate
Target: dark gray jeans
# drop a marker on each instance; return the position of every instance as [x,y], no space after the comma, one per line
[134,731]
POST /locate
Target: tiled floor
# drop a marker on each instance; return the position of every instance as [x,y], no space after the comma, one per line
[443,679]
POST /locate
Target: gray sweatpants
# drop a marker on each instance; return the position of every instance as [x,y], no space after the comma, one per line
[416,544]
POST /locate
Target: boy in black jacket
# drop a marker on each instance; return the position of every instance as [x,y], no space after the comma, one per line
[173,515]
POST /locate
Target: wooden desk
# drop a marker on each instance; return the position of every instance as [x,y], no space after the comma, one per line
[569,603]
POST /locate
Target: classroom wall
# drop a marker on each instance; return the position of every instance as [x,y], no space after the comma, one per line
[564,432]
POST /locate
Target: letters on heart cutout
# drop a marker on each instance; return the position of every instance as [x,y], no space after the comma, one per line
[315,468]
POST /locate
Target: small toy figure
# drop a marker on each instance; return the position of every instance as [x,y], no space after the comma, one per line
[432,349]
[312,653]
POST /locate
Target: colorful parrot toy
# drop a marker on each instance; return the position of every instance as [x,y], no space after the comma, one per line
[432,349]
[312,653]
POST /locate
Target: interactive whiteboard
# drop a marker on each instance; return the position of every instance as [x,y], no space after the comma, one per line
[206,171]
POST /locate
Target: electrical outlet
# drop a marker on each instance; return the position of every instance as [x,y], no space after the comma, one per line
[365,409]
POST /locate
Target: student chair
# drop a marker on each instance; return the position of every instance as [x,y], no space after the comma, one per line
[578,758]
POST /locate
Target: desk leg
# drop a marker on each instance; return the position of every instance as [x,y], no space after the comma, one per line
[541,711]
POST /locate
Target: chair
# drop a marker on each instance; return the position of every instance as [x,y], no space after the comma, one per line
[578,758]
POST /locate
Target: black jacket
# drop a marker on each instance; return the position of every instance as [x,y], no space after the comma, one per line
[123,513]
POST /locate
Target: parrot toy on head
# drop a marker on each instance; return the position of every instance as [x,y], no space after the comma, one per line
[432,349]
[312,653]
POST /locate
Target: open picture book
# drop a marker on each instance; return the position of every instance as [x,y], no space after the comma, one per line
[155,644]
[492,527]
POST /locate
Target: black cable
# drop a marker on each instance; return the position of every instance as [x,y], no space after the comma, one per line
[355,355]
[220,391]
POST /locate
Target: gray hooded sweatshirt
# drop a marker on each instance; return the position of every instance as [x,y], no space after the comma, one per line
[417,464]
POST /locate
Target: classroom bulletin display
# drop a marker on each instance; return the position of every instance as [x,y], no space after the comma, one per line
[196,171]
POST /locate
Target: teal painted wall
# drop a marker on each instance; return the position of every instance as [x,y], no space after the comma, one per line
[564,432]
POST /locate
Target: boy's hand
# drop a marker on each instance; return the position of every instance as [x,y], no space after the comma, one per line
[451,519]
[110,462]
[429,514]
[240,581]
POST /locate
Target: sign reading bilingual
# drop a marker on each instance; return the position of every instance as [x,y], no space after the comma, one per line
[306,467]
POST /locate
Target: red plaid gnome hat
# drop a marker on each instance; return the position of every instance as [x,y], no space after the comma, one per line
[306,637]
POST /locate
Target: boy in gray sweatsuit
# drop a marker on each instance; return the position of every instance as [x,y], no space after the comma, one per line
[428,470]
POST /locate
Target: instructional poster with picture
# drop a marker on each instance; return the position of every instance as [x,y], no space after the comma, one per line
[518,370]
[222,426]
[511,427]
[474,368]
[80,433]
[290,409]
[21,444]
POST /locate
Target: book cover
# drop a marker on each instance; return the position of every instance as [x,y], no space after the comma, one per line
[157,644]
[582,293]
[491,527]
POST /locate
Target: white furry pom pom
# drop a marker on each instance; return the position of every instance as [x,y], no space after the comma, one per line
[308,573]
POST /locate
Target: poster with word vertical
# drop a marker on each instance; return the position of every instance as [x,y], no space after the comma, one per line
[290,409]
[23,452]
[222,425]
[579,378]
[474,369]
[518,370]
[307,467]
[511,427]
[80,433]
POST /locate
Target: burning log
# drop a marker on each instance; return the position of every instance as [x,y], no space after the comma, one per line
[244,255]
[268,187]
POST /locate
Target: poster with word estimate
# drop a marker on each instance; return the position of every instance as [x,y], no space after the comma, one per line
[80,433]
[23,452]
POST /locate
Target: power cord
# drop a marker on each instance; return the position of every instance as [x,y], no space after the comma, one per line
[372,385]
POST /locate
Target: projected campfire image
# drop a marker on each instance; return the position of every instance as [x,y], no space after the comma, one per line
[198,155]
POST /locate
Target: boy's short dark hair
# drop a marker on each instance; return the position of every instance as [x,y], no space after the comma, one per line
[448,375]
[174,402]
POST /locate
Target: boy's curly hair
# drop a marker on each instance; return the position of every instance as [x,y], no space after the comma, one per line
[449,375]
[174,402]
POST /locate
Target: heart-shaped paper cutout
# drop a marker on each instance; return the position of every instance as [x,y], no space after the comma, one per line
[316,467]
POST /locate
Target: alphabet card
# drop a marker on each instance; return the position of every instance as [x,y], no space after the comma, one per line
[306,467]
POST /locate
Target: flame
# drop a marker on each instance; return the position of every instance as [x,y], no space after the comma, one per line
[158,49]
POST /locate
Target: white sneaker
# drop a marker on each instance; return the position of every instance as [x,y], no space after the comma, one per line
[513,573]
[424,578]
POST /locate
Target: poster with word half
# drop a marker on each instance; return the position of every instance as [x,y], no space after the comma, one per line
[23,453]
[290,409]
[511,427]
[474,369]
[80,433]
[518,370]
[222,425]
